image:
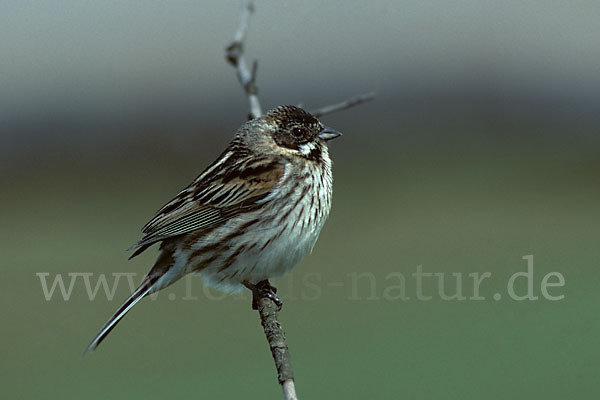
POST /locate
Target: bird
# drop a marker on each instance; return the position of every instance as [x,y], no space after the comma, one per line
[250,216]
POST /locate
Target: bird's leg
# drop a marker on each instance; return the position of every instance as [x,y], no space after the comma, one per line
[261,290]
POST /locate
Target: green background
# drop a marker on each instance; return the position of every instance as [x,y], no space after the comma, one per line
[456,176]
[450,212]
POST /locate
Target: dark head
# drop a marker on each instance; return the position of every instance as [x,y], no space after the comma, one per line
[289,130]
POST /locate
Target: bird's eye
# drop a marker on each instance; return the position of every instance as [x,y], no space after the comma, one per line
[298,132]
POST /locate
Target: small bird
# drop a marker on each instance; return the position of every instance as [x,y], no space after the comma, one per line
[252,215]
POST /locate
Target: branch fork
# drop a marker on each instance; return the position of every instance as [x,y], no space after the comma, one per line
[267,307]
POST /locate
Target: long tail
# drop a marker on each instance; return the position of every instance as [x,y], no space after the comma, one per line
[136,296]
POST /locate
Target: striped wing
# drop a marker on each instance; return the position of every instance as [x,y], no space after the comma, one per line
[227,188]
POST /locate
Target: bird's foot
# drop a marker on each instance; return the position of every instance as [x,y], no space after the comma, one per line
[263,289]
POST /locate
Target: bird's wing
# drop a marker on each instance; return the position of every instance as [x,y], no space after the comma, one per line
[212,199]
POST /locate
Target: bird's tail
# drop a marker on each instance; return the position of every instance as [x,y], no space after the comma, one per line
[136,296]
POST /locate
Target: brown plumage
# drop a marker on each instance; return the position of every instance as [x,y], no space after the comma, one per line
[250,216]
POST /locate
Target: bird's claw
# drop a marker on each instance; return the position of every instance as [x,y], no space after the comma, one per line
[261,290]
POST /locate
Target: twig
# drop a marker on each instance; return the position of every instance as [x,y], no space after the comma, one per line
[235,56]
[351,102]
[267,310]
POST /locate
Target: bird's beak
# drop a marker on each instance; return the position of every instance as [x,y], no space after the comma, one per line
[328,134]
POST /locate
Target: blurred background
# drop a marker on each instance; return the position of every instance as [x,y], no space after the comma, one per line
[480,148]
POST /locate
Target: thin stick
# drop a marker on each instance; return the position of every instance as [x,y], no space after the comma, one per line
[235,56]
[267,310]
[351,102]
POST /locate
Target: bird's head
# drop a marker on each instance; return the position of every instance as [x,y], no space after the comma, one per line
[289,131]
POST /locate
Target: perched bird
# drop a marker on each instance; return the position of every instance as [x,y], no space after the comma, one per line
[252,215]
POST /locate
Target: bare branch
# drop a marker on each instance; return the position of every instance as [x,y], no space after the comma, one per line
[234,53]
[351,102]
[267,310]
[266,307]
